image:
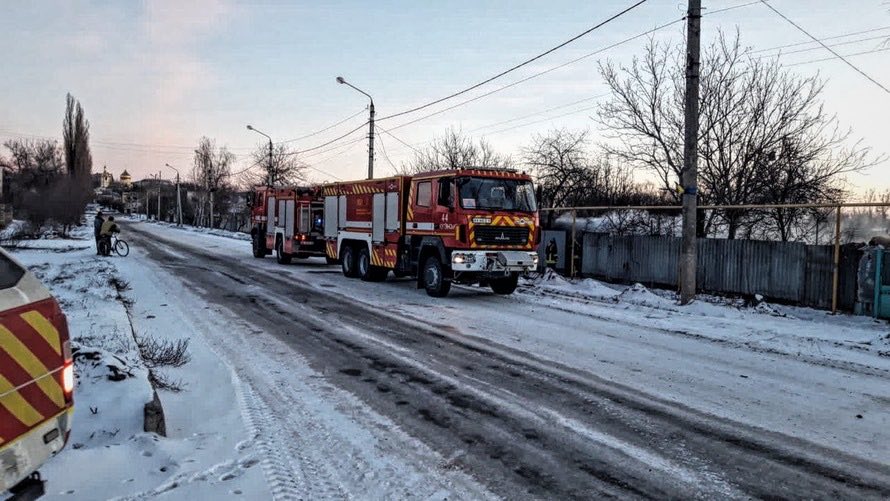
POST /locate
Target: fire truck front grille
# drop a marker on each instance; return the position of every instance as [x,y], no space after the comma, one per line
[501,235]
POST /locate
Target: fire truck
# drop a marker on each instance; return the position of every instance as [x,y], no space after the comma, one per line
[36,380]
[464,225]
[288,221]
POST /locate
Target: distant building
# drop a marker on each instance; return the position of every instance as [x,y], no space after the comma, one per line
[126,179]
[107,178]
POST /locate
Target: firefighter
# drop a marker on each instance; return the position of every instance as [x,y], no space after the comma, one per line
[109,227]
[551,254]
[97,230]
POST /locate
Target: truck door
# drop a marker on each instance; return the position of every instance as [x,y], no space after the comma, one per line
[443,215]
[422,205]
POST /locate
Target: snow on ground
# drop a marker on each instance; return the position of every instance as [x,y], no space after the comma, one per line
[806,374]
[109,454]
[226,436]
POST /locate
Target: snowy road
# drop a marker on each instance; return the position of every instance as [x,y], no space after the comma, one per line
[527,395]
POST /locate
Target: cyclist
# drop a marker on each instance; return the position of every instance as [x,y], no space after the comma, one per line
[109,227]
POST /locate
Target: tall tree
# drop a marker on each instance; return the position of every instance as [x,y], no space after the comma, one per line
[285,168]
[76,137]
[455,150]
[210,172]
[759,123]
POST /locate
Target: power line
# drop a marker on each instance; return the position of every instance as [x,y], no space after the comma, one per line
[251,166]
[543,112]
[845,35]
[329,142]
[883,49]
[547,119]
[385,155]
[350,117]
[333,148]
[520,65]
[397,139]
[829,49]
[536,75]
[809,49]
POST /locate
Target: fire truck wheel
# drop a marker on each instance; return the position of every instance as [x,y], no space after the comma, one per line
[364,263]
[434,278]
[282,257]
[259,250]
[506,285]
[348,263]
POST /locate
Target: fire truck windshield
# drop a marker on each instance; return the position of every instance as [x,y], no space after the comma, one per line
[491,193]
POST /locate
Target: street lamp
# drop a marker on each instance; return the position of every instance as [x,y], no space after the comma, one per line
[270,179]
[178,198]
[341,80]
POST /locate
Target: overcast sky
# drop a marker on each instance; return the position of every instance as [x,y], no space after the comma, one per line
[155,76]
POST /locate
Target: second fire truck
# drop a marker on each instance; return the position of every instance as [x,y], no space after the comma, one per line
[464,226]
[287,221]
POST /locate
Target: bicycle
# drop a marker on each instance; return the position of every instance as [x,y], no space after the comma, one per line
[120,247]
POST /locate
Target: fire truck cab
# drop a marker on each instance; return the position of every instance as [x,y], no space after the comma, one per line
[463,225]
[36,380]
[288,221]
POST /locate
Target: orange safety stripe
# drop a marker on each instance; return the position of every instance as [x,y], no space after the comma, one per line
[45,328]
[16,405]
[24,358]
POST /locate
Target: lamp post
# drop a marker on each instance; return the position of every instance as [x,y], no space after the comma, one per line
[178,197]
[270,179]
[341,80]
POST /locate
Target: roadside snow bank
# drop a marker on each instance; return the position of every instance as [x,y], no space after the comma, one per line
[236,235]
[111,383]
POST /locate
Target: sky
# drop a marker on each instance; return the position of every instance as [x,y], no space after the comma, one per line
[155,76]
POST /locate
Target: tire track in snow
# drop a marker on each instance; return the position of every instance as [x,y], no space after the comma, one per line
[302,456]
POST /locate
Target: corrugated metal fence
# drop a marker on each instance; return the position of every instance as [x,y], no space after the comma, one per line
[784,271]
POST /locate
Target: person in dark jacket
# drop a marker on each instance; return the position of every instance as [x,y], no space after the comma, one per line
[97,229]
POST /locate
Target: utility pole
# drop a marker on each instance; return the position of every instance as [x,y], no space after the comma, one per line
[271,170]
[371,144]
[689,179]
[343,81]
[178,197]
[159,196]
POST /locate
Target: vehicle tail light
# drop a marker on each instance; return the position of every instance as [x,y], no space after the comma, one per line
[68,379]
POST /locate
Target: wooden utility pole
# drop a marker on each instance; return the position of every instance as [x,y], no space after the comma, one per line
[689,179]
[159,196]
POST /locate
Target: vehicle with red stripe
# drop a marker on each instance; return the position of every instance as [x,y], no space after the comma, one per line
[463,225]
[287,221]
[36,378]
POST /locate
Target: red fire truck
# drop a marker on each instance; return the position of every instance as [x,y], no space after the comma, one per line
[465,226]
[288,221]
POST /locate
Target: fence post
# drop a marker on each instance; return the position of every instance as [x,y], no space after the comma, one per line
[572,264]
[837,260]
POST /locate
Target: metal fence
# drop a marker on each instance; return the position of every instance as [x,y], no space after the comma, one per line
[781,271]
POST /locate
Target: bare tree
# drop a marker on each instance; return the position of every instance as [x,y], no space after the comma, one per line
[760,125]
[285,168]
[210,173]
[455,150]
[33,163]
[76,137]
